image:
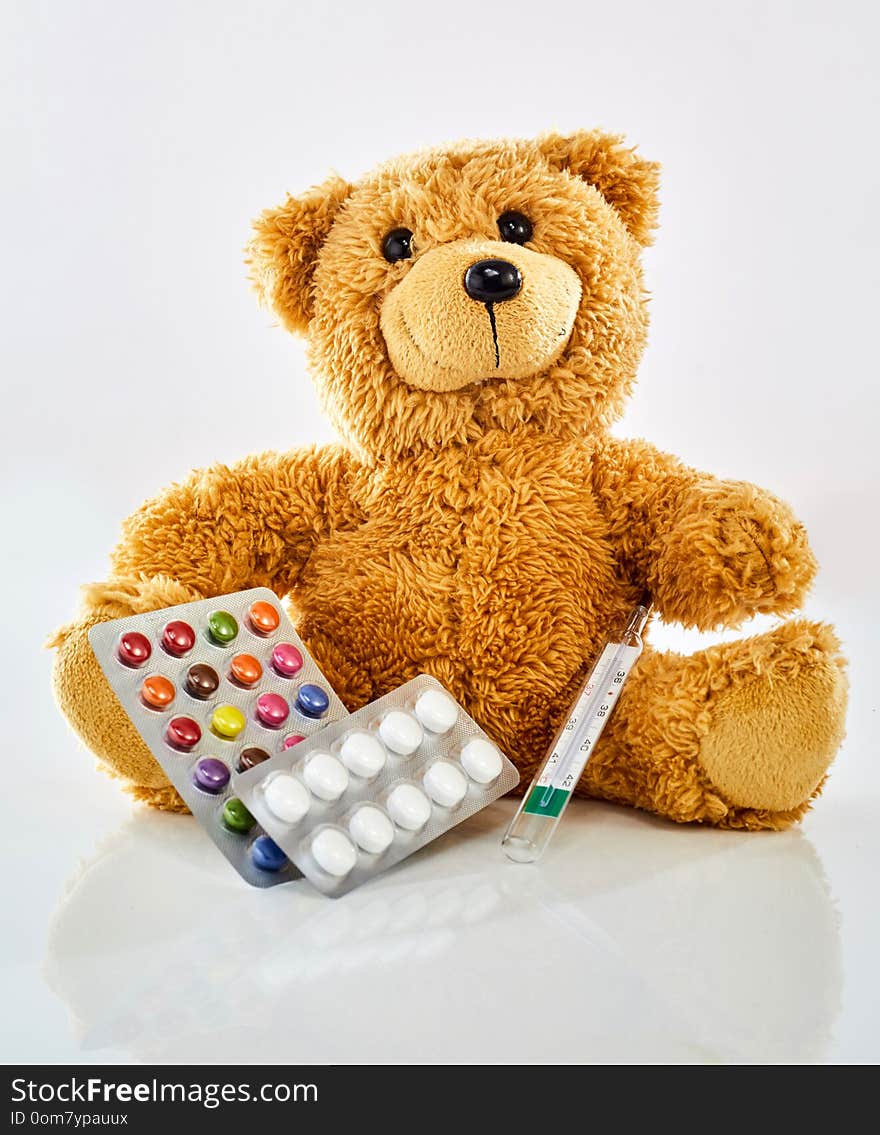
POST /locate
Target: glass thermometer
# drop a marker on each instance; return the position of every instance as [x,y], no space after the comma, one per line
[549,793]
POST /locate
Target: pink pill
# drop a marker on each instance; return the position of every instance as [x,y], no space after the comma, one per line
[292,739]
[272,710]
[286,660]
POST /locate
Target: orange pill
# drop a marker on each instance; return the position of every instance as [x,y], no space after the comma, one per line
[245,669]
[264,618]
[157,691]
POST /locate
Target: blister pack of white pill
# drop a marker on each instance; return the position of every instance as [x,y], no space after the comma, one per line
[369,790]
[213,687]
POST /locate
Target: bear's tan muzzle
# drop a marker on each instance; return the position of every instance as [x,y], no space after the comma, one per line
[441,338]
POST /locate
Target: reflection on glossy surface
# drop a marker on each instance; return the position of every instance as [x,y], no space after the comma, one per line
[633,940]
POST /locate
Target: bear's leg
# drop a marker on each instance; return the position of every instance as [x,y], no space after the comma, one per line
[91,706]
[739,735]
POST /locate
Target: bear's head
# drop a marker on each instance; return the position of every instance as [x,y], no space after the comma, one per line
[477,287]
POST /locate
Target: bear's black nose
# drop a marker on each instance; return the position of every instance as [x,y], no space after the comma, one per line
[490,281]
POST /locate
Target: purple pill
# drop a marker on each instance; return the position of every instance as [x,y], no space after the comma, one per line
[286,660]
[211,775]
[272,710]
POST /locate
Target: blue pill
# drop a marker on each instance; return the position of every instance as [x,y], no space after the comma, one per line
[267,855]
[312,700]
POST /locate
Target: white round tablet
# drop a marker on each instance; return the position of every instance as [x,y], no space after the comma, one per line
[362,753]
[482,761]
[371,829]
[286,797]
[409,807]
[401,732]
[436,710]
[445,783]
[334,852]
[325,776]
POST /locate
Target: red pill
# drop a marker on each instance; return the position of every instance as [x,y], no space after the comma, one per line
[178,638]
[157,691]
[183,733]
[134,649]
[292,739]
[263,617]
[245,670]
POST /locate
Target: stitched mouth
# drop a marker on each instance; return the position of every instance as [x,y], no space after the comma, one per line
[455,371]
[490,307]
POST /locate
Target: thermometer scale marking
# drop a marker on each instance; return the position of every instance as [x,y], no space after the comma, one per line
[578,737]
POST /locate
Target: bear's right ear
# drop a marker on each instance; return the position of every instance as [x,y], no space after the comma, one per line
[283,251]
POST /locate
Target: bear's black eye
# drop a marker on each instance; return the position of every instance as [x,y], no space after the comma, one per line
[515,227]
[397,245]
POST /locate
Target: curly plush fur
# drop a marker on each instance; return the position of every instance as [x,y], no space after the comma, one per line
[479,522]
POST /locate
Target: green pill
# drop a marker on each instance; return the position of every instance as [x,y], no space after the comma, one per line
[222,627]
[236,816]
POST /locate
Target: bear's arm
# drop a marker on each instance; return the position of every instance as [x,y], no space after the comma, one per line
[223,529]
[226,528]
[711,552]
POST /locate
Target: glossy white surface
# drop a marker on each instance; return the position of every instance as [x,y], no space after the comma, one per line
[632,940]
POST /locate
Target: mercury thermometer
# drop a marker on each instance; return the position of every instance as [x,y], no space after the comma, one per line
[549,793]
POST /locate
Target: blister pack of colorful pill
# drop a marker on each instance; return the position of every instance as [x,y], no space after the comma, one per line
[216,687]
[369,790]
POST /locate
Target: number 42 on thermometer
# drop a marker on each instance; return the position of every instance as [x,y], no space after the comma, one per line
[549,793]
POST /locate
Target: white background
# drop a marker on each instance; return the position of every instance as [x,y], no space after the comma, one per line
[141,140]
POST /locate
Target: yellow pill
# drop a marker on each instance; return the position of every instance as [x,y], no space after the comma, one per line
[227,721]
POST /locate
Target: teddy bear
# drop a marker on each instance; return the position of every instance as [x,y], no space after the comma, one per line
[474,316]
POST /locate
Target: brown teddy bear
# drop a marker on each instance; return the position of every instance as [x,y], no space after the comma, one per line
[475,316]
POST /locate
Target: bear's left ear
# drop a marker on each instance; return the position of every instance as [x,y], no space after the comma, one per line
[283,251]
[625,179]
